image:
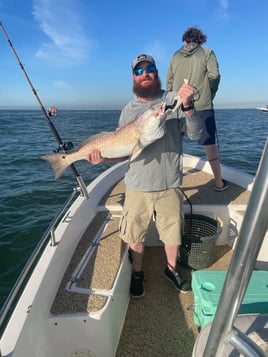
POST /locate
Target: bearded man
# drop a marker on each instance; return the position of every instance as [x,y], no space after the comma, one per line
[153,179]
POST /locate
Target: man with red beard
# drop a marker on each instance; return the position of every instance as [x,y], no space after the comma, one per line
[154,177]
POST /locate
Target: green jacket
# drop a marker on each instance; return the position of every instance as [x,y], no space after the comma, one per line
[199,65]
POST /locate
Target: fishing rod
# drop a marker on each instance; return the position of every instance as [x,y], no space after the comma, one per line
[62,146]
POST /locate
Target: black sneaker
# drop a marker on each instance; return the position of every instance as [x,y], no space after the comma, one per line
[136,286]
[182,285]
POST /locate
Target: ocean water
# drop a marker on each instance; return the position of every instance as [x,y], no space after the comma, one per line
[29,195]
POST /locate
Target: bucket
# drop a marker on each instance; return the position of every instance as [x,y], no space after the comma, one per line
[198,248]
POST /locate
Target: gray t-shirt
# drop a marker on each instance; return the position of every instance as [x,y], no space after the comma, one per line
[159,166]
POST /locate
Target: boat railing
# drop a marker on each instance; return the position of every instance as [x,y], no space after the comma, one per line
[249,242]
[25,274]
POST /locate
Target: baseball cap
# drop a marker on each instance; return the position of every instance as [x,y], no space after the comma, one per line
[142,58]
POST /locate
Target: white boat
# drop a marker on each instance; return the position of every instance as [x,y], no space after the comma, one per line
[52,111]
[76,301]
[263,109]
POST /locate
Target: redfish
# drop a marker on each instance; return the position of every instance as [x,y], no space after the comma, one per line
[128,140]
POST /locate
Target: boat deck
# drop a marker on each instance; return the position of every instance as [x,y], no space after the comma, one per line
[162,314]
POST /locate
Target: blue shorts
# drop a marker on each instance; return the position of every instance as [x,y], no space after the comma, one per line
[208,136]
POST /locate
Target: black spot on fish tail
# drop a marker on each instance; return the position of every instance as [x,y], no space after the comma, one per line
[58,163]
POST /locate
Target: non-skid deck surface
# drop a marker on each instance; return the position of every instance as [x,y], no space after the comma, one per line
[98,274]
[161,323]
[198,186]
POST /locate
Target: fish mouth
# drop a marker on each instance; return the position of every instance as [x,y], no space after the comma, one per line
[163,107]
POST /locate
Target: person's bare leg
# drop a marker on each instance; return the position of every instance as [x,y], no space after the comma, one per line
[136,252]
[172,273]
[214,160]
[172,255]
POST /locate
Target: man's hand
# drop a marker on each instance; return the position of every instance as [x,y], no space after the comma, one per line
[186,92]
[94,157]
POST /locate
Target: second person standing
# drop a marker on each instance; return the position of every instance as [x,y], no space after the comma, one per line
[199,65]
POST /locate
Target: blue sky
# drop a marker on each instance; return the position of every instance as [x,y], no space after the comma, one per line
[78,53]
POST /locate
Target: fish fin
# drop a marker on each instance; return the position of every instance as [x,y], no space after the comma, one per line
[136,151]
[58,163]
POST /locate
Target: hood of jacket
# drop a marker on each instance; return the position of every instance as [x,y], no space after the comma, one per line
[189,49]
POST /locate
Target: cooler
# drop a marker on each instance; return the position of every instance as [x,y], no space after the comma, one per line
[207,286]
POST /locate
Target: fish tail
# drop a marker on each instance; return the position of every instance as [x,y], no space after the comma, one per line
[58,163]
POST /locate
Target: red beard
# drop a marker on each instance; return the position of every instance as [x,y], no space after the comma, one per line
[147,92]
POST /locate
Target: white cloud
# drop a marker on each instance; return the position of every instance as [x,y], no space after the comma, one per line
[60,84]
[158,50]
[224,6]
[61,22]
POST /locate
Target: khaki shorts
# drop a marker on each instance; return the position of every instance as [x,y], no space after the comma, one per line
[140,207]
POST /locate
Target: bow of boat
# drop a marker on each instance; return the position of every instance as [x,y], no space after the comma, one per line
[76,301]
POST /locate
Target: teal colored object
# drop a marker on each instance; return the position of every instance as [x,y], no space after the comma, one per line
[207,286]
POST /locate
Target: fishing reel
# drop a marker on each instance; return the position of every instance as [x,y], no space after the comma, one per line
[64,147]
